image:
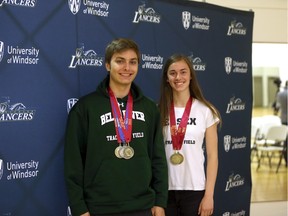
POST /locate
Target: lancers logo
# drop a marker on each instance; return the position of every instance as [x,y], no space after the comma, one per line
[234,181]
[235,104]
[85,58]
[74,6]
[22,3]
[198,65]
[146,15]
[236,28]
[1,50]
[15,112]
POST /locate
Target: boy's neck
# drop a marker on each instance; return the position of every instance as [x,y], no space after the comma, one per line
[120,91]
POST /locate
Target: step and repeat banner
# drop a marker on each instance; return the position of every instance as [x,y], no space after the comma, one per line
[52,53]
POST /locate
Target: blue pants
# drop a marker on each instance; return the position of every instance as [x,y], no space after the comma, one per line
[183,203]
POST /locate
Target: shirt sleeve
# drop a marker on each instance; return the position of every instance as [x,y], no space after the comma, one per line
[74,150]
[159,165]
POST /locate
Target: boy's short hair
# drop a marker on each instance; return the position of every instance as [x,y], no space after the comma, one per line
[119,45]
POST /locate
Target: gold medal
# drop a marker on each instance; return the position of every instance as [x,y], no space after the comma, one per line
[176,158]
[178,133]
[128,152]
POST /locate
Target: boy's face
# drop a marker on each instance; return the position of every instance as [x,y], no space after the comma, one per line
[123,68]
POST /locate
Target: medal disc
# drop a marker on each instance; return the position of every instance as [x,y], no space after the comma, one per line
[128,152]
[121,151]
[117,151]
[176,158]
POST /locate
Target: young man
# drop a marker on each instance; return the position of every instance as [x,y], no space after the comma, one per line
[114,158]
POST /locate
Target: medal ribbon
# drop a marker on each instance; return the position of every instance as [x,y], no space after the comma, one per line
[177,135]
[123,127]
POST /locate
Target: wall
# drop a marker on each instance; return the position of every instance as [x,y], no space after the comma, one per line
[270,20]
[267,56]
[270,48]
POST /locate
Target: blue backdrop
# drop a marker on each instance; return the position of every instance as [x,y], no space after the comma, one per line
[52,53]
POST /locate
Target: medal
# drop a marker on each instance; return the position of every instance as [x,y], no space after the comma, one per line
[121,151]
[178,134]
[117,151]
[123,126]
[176,158]
[128,152]
[125,151]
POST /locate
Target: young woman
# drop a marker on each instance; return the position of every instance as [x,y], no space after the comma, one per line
[190,128]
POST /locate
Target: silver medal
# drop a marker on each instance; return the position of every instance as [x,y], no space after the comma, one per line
[117,151]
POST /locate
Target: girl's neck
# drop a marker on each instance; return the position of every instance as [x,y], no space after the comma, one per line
[180,99]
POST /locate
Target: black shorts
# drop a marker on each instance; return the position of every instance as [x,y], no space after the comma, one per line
[184,203]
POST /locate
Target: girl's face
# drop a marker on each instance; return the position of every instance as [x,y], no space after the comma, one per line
[179,76]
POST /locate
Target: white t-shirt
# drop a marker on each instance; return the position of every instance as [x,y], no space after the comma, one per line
[190,174]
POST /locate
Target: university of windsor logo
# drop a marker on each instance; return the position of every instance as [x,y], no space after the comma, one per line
[69,211]
[227,142]
[241,213]
[70,103]
[234,143]
[196,22]
[74,6]
[1,50]
[235,66]
[1,168]
[186,19]
[228,64]
[91,7]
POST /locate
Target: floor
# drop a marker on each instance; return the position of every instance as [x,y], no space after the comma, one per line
[267,185]
[269,209]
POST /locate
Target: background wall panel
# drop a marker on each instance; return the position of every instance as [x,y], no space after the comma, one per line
[50,56]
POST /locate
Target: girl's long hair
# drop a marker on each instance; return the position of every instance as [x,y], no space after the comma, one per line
[166,93]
